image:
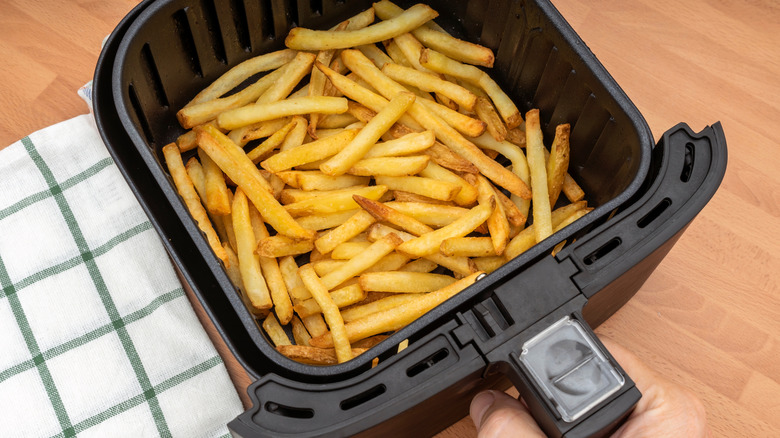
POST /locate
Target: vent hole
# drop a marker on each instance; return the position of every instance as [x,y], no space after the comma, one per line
[152,75]
[187,41]
[215,33]
[267,19]
[362,397]
[427,363]
[242,26]
[289,411]
[603,251]
[139,114]
[654,213]
[687,169]
[315,6]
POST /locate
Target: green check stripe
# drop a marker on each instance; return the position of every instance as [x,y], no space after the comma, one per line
[96,333]
[32,346]
[97,279]
[140,398]
[45,194]
[79,259]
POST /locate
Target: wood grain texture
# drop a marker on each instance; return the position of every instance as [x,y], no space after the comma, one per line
[709,317]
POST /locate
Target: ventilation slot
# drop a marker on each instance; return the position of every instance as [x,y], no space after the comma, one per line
[153,76]
[215,33]
[267,19]
[603,251]
[242,27]
[427,363]
[187,41]
[139,114]
[362,397]
[685,175]
[289,411]
[655,213]
[315,6]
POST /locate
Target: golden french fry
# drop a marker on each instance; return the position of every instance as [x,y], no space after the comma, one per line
[295,287]
[195,171]
[403,196]
[489,264]
[419,265]
[258,112]
[211,140]
[313,151]
[245,134]
[271,272]
[312,355]
[297,134]
[384,213]
[431,83]
[538,168]
[375,54]
[280,246]
[368,136]
[403,282]
[468,247]
[330,311]
[348,250]
[519,168]
[516,136]
[429,243]
[467,194]
[275,331]
[289,196]
[406,145]
[558,163]
[200,113]
[497,223]
[527,238]
[238,74]
[390,166]
[389,302]
[271,143]
[233,272]
[301,336]
[395,53]
[487,113]
[254,282]
[463,51]
[187,191]
[441,190]
[442,64]
[468,126]
[294,71]
[357,265]
[336,202]
[396,318]
[320,222]
[217,201]
[333,121]
[341,297]
[446,157]
[307,39]
[316,180]
[315,325]
[353,226]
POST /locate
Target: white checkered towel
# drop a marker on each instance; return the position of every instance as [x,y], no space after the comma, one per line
[97,337]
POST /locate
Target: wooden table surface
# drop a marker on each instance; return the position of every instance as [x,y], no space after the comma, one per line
[709,317]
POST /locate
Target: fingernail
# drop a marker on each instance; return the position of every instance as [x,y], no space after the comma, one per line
[480,405]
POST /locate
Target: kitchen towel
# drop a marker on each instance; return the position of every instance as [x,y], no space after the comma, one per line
[97,337]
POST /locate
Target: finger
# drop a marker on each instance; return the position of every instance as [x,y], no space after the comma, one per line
[496,414]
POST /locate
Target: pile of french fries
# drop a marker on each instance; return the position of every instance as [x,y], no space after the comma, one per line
[372,171]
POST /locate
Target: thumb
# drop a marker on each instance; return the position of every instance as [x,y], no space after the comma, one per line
[498,415]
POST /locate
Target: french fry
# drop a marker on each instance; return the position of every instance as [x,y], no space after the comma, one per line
[312,355]
[390,166]
[187,191]
[357,265]
[419,265]
[211,140]
[275,331]
[408,144]
[519,167]
[387,214]
[301,336]
[238,74]
[254,283]
[558,162]
[289,196]
[271,272]
[538,169]
[489,264]
[403,196]
[468,126]
[431,83]
[434,215]
[274,141]
[307,39]
[348,250]
[527,238]
[313,151]
[572,190]
[463,51]
[396,318]
[429,243]
[217,201]
[442,64]
[338,201]
[294,71]
[280,246]
[233,272]
[316,180]
[467,194]
[410,47]
[368,136]
[389,302]
[315,325]
[195,171]
[487,113]
[375,54]
[245,134]
[259,112]
[441,190]
[295,287]
[396,54]
[297,134]
[319,291]
[341,297]
[468,247]
[497,223]
[320,222]
[333,121]
[446,157]
[403,282]
[353,226]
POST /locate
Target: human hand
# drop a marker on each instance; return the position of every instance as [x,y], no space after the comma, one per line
[665,409]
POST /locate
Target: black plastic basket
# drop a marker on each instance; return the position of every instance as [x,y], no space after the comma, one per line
[645,195]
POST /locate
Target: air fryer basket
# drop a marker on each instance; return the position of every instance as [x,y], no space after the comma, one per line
[166,51]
